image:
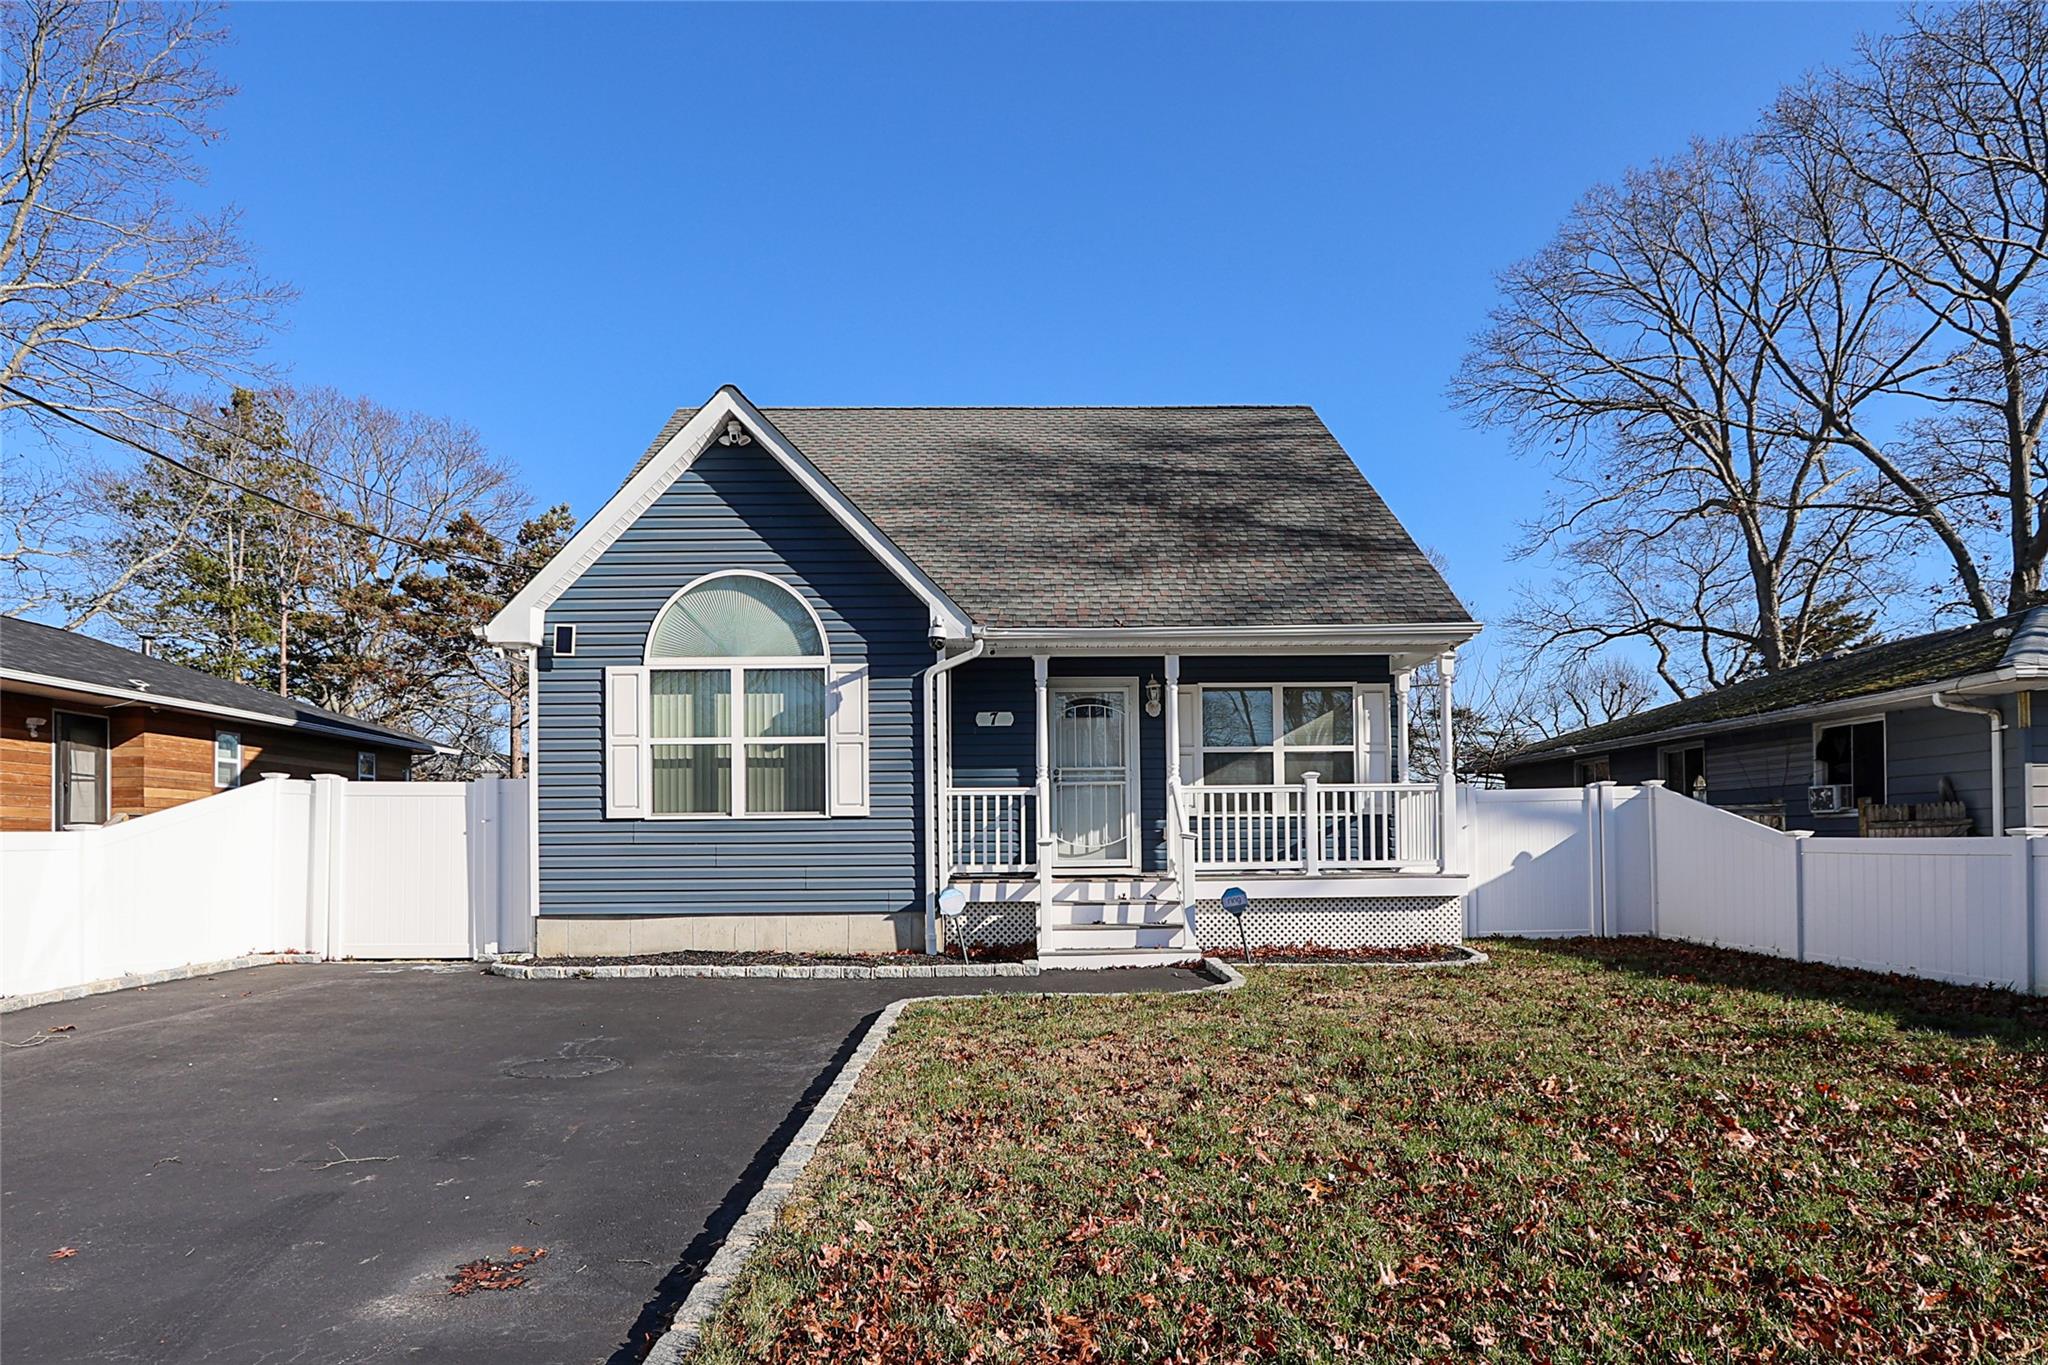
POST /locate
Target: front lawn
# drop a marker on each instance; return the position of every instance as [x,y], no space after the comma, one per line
[1621,1150]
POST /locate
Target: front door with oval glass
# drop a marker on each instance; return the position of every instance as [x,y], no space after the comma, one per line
[1094,774]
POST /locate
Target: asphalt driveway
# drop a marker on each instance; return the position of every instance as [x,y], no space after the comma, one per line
[286,1164]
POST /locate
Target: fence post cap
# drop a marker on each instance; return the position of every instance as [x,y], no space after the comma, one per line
[1800,833]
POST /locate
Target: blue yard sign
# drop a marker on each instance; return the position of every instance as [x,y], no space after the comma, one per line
[1236,901]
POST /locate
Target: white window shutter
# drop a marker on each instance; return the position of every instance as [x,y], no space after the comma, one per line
[1190,735]
[846,741]
[626,779]
[1376,734]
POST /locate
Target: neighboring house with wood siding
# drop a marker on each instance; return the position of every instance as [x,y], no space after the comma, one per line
[1089,666]
[1924,722]
[92,732]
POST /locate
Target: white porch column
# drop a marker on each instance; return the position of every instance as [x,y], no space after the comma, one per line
[1176,867]
[1447,772]
[1043,736]
[1402,679]
[1172,721]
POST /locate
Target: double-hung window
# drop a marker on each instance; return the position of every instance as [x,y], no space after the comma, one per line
[1252,734]
[736,681]
[1851,755]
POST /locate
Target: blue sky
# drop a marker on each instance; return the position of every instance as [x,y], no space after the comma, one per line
[559,222]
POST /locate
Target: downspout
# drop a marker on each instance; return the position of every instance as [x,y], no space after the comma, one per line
[1944,702]
[935,787]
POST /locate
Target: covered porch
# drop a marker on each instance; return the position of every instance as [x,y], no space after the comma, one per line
[1101,799]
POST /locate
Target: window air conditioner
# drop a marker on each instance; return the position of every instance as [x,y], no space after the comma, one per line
[1831,800]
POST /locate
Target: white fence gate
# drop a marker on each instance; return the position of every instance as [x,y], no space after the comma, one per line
[326,867]
[1643,860]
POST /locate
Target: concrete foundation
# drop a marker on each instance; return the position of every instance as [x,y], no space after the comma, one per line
[626,935]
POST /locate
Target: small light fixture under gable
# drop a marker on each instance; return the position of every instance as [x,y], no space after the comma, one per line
[565,642]
[735,434]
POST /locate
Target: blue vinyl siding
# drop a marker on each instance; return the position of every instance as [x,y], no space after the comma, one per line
[1007,756]
[734,509]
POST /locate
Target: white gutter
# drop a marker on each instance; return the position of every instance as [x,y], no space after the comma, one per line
[1429,637]
[1945,702]
[935,856]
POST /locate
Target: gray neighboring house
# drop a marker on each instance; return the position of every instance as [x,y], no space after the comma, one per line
[1090,666]
[1910,722]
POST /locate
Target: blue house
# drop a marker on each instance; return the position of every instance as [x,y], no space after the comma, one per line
[1093,666]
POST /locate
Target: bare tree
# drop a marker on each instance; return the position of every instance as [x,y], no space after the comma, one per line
[1923,170]
[108,288]
[110,293]
[1696,511]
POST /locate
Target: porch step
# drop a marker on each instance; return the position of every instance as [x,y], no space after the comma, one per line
[1138,926]
[1098,959]
[1149,911]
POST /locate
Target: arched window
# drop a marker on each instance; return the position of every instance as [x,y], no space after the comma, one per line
[746,636]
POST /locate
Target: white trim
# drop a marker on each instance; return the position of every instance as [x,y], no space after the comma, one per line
[201,708]
[236,735]
[735,740]
[1884,771]
[521,620]
[532,779]
[1133,772]
[1423,640]
[555,638]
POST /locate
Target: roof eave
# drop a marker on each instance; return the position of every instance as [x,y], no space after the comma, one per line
[164,701]
[1996,681]
[1423,639]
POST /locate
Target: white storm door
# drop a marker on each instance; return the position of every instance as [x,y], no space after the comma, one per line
[1094,774]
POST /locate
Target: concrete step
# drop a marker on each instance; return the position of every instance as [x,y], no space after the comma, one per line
[1111,937]
[1150,911]
[1095,959]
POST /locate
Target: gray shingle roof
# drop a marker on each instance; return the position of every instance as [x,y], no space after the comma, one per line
[29,647]
[1938,657]
[1051,517]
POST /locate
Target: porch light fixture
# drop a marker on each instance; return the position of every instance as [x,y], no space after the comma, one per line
[735,434]
[1699,787]
[1153,692]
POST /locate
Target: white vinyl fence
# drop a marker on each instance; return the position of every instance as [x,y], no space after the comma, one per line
[1643,860]
[324,867]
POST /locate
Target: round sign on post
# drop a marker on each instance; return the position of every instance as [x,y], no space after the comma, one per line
[1235,902]
[952,905]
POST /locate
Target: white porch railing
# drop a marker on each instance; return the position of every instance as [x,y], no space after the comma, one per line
[1316,827]
[993,829]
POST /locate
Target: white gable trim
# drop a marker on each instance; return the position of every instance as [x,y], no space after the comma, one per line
[520,623]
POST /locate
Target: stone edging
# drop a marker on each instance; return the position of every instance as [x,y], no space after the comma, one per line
[686,1333]
[127,983]
[531,971]
[1473,958]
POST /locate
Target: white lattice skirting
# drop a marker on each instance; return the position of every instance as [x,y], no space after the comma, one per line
[1338,922]
[986,924]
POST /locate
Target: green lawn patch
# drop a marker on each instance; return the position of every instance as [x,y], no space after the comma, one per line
[1617,1150]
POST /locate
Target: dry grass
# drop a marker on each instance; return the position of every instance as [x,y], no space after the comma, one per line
[1589,1151]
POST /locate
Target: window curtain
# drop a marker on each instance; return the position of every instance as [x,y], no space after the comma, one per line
[785,702]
